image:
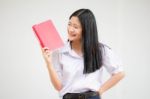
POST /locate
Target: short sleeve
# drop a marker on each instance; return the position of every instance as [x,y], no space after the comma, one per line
[111,61]
[56,63]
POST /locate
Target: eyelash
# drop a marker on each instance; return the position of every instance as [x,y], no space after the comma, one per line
[69,24]
[75,27]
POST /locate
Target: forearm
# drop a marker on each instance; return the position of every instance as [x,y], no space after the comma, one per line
[54,77]
[115,78]
[52,73]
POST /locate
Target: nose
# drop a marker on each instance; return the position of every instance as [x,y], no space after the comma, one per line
[71,29]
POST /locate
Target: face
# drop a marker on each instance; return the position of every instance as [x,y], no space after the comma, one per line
[74,29]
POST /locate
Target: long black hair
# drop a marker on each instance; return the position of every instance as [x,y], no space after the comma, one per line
[92,49]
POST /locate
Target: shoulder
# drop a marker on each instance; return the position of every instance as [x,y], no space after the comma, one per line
[104,47]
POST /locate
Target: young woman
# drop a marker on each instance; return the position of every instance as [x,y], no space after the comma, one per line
[76,69]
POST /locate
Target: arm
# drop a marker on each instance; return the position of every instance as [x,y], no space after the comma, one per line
[114,79]
[114,66]
[52,73]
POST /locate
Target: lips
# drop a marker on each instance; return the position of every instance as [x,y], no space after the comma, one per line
[74,35]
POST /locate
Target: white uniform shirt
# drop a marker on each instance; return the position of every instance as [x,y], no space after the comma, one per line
[69,67]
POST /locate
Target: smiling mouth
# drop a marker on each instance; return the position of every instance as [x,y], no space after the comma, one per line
[73,35]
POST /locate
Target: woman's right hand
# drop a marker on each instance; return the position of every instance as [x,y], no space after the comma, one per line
[46,54]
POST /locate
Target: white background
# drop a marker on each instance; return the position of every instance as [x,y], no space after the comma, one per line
[124,25]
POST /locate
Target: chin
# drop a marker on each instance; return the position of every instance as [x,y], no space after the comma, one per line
[71,39]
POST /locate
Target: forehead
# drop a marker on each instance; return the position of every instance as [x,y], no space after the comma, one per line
[75,20]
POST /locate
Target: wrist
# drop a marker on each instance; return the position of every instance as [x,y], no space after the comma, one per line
[101,91]
[48,60]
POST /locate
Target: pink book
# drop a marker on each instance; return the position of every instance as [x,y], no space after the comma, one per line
[47,35]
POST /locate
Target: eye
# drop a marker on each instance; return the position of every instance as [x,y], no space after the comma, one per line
[69,24]
[76,27]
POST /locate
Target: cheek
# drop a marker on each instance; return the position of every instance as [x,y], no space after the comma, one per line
[68,29]
[80,34]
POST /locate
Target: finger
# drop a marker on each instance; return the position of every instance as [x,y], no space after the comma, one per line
[46,48]
[42,49]
[47,51]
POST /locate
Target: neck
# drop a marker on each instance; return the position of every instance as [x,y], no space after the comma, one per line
[77,47]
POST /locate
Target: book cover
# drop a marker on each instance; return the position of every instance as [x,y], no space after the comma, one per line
[47,35]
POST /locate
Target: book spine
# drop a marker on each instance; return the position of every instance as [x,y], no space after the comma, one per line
[38,37]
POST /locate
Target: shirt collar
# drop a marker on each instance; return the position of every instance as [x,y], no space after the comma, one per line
[67,50]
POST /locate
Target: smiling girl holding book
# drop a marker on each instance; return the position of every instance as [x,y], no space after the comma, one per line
[76,69]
